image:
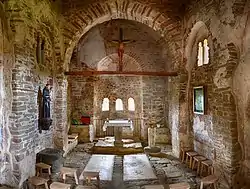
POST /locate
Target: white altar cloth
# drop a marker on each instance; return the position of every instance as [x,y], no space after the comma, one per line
[118,123]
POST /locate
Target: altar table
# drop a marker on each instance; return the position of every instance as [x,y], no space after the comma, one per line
[118,125]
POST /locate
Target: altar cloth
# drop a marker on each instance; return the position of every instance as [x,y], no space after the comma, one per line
[118,123]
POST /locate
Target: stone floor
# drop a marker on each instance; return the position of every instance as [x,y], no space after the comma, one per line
[167,168]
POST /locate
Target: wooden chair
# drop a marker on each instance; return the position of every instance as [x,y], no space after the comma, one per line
[67,171]
[59,185]
[38,181]
[209,180]
[198,159]
[183,185]
[189,156]
[89,175]
[184,150]
[42,166]
[206,166]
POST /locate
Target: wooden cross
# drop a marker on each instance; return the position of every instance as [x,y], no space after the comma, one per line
[120,49]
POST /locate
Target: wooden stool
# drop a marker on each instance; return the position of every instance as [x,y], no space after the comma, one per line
[38,181]
[40,167]
[198,159]
[190,155]
[207,165]
[211,179]
[184,150]
[91,174]
[182,185]
[70,172]
[59,185]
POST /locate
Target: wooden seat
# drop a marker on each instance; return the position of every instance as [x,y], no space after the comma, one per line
[183,185]
[89,175]
[67,171]
[207,166]
[198,159]
[41,166]
[59,185]
[38,181]
[209,180]
[184,150]
[189,156]
[73,136]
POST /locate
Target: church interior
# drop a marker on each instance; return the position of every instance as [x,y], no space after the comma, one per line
[129,94]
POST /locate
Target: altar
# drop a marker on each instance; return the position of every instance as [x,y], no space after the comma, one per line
[118,125]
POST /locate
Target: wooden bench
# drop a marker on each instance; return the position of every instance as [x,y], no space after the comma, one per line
[38,181]
[184,150]
[189,156]
[183,185]
[73,136]
[207,166]
[42,166]
[67,171]
[89,175]
[59,185]
[71,144]
[209,180]
[198,159]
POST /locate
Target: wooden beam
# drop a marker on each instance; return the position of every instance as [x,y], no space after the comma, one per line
[92,73]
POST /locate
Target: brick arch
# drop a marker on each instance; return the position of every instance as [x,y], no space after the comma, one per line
[79,22]
[198,33]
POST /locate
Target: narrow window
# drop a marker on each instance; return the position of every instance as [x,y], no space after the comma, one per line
[203,53]
[118,105]
[105,104]
[200,54]
[131,104]
[206,52]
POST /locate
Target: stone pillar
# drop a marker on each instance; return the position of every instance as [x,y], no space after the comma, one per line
[118,136]
[151,136]
[60,119]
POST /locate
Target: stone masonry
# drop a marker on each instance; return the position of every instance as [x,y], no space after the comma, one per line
[77,36]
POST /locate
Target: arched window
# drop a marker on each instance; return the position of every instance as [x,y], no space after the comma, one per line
[200,54]
[131,104]
[105,104]
[118,105]
[206,53]
[203,53]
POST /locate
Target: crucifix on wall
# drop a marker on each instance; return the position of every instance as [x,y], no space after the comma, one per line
[121,41]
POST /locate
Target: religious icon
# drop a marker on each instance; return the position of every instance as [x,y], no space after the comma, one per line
[121,41]
[44,108]
[46,101]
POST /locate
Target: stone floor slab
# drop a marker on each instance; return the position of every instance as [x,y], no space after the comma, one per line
[102,163]
[137,167]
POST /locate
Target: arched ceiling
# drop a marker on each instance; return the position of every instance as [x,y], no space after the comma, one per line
[145,46]
[163,16]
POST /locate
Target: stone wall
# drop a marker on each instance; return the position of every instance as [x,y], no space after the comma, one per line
[23,75]
[149,93]
[216,134]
